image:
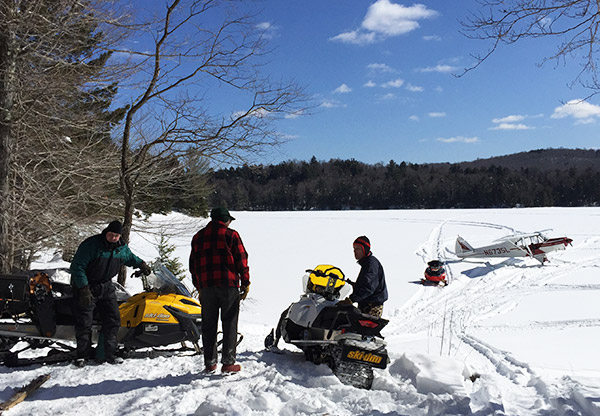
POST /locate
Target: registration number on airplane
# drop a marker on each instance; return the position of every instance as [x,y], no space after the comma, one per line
[495,251]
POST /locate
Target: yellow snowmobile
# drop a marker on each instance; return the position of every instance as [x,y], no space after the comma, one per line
[39,309]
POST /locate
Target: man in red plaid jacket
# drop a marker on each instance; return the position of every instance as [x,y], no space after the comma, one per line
[219,268]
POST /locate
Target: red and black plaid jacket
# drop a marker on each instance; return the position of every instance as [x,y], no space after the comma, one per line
[218,257]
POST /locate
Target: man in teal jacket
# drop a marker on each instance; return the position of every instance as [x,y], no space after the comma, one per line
[97,260]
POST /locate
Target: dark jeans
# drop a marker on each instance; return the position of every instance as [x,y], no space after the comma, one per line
[105,303]
[227,300]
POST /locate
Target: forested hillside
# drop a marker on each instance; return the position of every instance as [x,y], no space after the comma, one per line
[552,177]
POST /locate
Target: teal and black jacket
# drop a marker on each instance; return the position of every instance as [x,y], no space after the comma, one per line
[98,261]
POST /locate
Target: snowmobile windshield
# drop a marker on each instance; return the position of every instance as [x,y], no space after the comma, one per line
[161,280]
[325,280]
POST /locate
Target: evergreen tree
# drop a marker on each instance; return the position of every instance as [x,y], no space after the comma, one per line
[165,256]
[55,122]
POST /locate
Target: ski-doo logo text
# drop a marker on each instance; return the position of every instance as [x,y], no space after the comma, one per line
[363,356]
[157,316]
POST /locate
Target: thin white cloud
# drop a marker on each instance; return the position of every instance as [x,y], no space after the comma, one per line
[414,88]
[268,29]
[513,122]
[434,114]
[414,118]
[580,110]
[511,126]
[264,26]
[458,139]
[396,83]
[293,115]
[380,68]
[331,104]
[369,84]
[385,19]
[258,113]
[509,119]
[342,89]
[444,69]
[388,96]
[289,136]
[432,37]
[355,37]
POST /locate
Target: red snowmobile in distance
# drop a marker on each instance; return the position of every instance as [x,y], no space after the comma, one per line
[435,274]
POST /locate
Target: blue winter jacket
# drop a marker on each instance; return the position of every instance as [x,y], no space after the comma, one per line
[97,260]
[370,287]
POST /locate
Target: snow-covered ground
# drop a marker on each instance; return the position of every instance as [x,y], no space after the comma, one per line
[506,337]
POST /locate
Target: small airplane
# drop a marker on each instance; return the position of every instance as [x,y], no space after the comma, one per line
[534,245]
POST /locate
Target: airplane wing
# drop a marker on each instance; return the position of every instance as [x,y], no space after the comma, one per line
[513,238]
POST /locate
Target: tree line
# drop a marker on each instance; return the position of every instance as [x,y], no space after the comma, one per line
[349,184]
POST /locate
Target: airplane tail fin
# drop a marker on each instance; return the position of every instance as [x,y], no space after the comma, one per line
[462,248]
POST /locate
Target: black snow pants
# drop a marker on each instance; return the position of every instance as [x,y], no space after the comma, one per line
[107,308]
[227,300]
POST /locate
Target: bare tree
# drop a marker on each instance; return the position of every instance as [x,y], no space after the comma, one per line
[55,125]
[574,23]
[198,46]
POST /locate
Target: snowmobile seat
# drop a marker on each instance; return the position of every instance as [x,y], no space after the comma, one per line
[349,318]
[335,317]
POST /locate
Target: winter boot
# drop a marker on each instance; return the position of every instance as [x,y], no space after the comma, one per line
[80,362]
[210,369]
[231,368]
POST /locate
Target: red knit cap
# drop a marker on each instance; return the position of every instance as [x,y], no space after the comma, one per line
[364,242]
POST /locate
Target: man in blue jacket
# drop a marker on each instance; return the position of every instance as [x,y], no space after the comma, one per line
[370,290]
[97,260]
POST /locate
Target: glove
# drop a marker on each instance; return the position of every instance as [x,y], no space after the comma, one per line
[145,269]
[346,301]
[244,291]
[85,297]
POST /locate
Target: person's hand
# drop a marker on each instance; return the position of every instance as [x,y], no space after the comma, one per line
[145,269]
[244,291]
[85,297]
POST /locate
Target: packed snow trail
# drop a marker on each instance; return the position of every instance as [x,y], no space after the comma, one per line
[481,292]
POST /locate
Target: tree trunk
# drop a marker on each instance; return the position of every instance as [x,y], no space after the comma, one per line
[128,220]
[7,87]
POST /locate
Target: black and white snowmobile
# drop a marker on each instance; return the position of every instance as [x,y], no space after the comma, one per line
[38,308]
[333,333]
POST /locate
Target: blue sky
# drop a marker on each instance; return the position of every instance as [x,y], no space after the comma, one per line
[381,74]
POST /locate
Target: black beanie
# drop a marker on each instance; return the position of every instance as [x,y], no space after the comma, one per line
[364,242]
[115,227]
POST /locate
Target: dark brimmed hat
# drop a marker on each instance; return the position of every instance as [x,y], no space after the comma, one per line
[364,242]
[115,227]
[221,214]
